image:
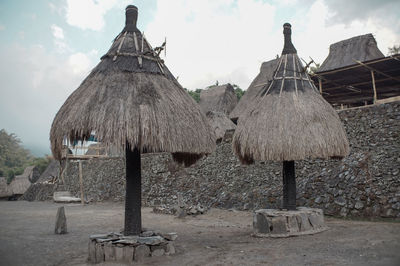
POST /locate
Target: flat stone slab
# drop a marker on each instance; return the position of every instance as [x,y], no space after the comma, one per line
[64,197]
[283,223]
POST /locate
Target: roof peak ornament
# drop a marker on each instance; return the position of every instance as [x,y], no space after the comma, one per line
[288,47]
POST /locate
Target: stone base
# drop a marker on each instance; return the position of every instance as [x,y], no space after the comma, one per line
[282,223]
[115,247]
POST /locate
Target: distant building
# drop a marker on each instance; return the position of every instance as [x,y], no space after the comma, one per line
[218,99]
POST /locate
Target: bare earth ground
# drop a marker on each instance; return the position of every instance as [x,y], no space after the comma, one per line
[220,237]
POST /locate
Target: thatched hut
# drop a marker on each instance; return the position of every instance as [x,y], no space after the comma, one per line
[262,79]
[343,53]
[218,98]
[219,123]
[19,185]
[52,172]
[5,189]
[133,103]
[291,121]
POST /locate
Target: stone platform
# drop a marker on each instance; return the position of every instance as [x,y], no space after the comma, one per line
[283,223]
[114,247]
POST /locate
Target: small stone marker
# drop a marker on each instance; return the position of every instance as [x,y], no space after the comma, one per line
[61,222]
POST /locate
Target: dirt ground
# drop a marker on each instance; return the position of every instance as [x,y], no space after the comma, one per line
[220,237]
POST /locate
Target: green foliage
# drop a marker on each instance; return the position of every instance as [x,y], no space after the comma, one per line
[239,92]
[394,50]
[194,94]
[14,158]
[312,69]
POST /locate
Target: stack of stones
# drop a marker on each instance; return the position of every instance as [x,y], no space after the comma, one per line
[180,211]
[282,223]
[115,247]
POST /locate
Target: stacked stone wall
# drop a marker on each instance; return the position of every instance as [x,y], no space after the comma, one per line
[364,184]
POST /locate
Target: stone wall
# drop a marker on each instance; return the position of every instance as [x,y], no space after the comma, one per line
[365,184]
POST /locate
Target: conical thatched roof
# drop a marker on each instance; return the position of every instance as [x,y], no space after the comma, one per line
[263,79]
[131,96]
[343,53]
[52,171]
[291,121]
[219,123]
[218,98]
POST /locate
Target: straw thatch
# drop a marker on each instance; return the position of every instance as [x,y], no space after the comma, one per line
[20,184]
[291,121]
[219,123]
[51,173]
[5,190]
[343,53]
[32,173]
[218,98]
[262,79]
[131,96]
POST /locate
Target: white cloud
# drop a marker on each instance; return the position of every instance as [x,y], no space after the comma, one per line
[31,95]
[213,40]
[89,14]
[58,32]
[79,63]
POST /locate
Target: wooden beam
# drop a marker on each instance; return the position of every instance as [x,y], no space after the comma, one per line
[320,85]
[356,66]
[377,71]
[373,86]
[357,84]
[81,181]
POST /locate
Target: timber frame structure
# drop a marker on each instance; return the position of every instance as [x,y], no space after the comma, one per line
[361,83]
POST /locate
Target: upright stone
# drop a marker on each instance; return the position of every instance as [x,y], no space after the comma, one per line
[61,222]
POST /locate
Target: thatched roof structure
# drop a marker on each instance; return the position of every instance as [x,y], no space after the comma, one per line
[343,53]
[32,173]
[291,121]
[52,172]
[20,184]
[218,98]
[5,190]
[262,79]
[219,123]
[131,97]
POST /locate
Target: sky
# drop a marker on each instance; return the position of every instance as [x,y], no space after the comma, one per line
[47,47]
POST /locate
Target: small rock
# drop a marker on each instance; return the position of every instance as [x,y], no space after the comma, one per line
[359,205]
[169,249]
[151,240]
[141,252]
[170,236]
[158,252]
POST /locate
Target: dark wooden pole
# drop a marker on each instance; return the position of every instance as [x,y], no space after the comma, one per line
[289,186]
[133,197]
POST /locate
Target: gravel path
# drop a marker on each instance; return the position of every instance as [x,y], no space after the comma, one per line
[220,237]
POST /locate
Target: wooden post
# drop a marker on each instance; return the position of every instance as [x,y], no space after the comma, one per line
[373,86]
[133,197]
[289,186]
[81,181]
[320,85]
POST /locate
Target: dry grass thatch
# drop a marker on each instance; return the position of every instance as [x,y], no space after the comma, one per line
[20,184]
[52,172]
[219,123]
[5,190]
[291,121]
[218,98]
[131,96]
[344,53]
[248,99]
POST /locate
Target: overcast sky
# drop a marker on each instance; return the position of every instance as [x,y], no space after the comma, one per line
[48,47]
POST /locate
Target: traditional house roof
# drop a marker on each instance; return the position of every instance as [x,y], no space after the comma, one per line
[344,53]
[218,99]
[5,190]
[262,79]
[131,98]
[219,123]
[291,121]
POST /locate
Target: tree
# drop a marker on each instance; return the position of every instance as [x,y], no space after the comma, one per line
[239,92]
[14,158]
[394,50]
[194,94]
